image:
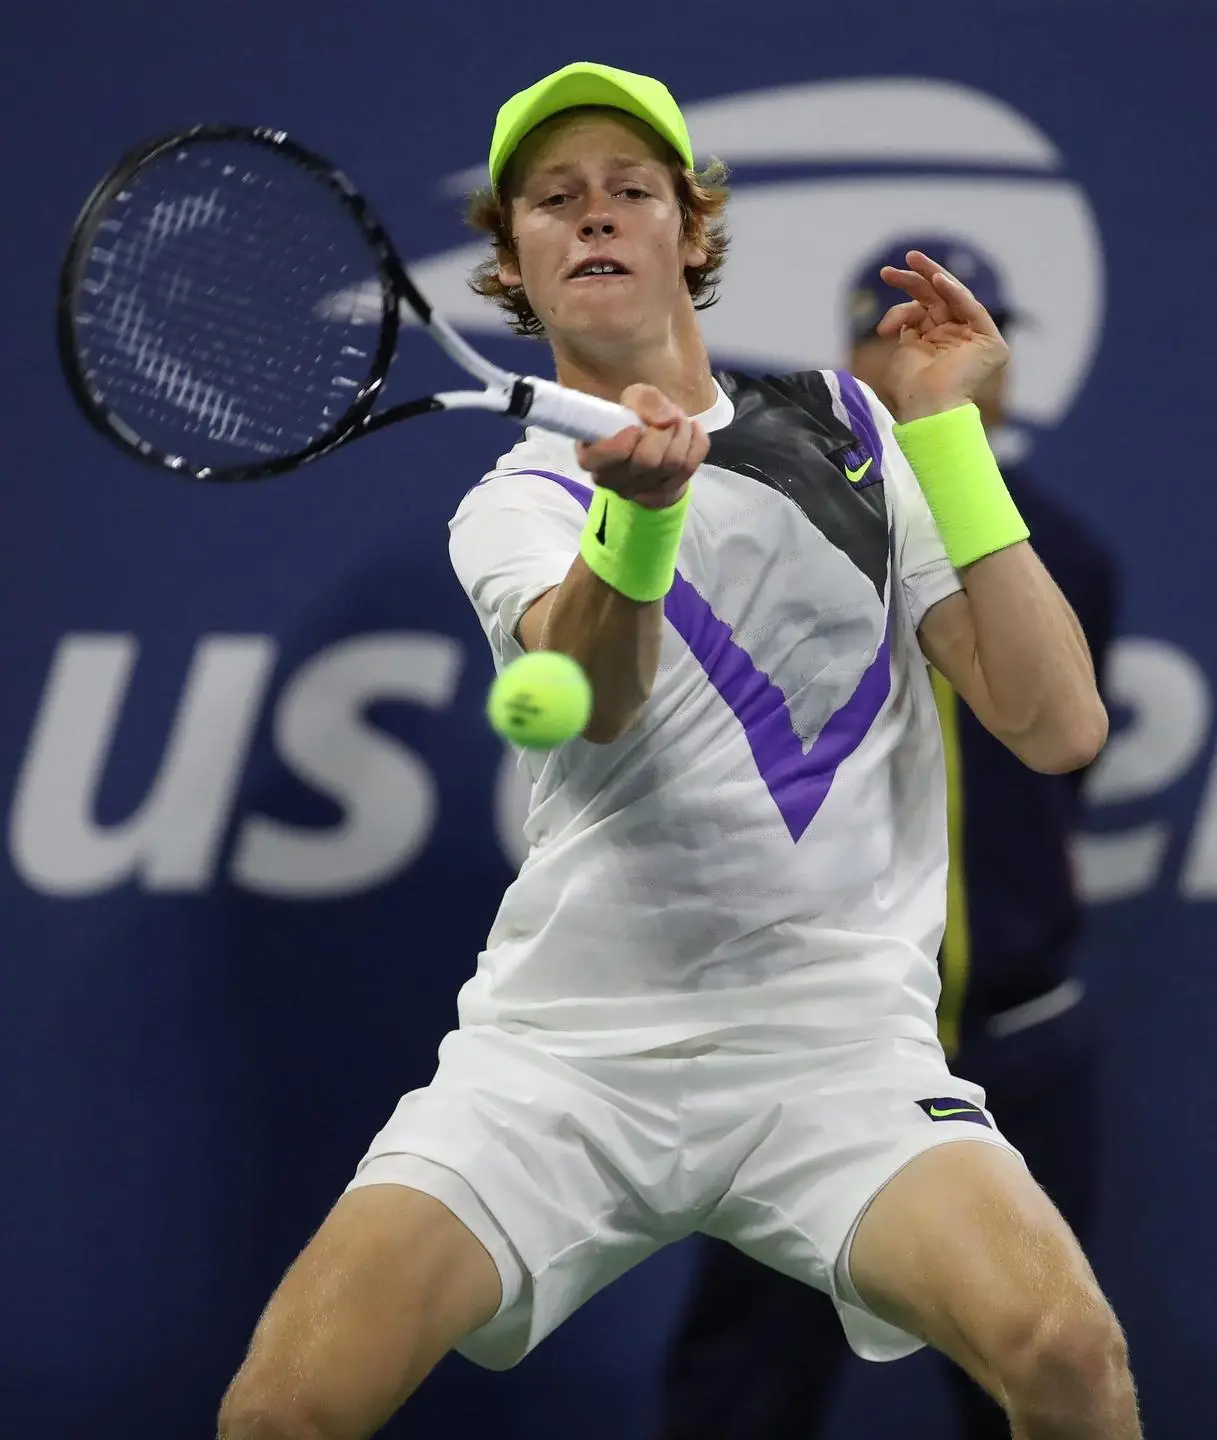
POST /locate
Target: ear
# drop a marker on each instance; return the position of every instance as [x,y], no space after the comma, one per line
[692,253]
[509,267]
[695,257]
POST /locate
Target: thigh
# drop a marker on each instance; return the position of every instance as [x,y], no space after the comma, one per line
[557,1166]
[384,1289]
[832,1128]
[964,1249]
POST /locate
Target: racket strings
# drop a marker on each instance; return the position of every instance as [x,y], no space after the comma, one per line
[201,313]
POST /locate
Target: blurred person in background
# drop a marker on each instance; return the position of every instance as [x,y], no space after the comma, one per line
[757,1355]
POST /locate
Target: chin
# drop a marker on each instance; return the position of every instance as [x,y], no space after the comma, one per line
[610,323]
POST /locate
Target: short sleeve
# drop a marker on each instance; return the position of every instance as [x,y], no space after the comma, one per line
[926,574]
[513,537]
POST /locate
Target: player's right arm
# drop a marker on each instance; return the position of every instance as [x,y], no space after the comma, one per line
[617,640]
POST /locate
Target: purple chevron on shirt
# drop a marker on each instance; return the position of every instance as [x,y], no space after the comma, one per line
[798,776]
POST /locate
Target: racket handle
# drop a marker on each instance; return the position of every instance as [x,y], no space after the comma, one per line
[572,413]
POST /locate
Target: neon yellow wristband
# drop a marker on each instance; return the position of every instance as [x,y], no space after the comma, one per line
[633,548]
[961,483]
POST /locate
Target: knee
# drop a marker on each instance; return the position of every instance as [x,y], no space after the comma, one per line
[251,1412]
[1070,1358]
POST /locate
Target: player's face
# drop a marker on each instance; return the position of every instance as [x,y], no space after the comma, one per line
[593,191]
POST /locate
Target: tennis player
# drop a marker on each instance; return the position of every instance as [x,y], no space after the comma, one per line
[707,1002]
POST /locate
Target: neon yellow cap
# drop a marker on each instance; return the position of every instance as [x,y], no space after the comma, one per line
[584,83]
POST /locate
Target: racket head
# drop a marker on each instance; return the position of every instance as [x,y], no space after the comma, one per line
[192,322]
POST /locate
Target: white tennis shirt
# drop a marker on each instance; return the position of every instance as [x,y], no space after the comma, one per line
[766,846]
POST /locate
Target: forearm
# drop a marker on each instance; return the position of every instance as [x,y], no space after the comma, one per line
[1034,662]
[1011,645]
[607,614]
[616,640]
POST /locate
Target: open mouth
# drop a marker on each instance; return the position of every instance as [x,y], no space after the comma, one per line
[600,269]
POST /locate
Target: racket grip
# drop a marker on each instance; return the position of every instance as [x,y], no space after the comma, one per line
[572,413]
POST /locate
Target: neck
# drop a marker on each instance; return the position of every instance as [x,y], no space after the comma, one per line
[680,368]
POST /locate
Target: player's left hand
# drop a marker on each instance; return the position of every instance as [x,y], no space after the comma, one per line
[948,343]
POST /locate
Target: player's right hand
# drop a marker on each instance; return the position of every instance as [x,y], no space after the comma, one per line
[652,463]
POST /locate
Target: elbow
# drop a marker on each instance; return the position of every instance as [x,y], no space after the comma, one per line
[1074,744]
[1087,737]
[610,722]
[603,732]
[604,729]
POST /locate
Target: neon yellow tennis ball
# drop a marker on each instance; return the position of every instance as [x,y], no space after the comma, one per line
[540,701]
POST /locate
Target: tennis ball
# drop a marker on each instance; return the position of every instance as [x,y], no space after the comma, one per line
[540,701]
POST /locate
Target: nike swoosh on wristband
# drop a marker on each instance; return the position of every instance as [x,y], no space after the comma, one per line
[853,476]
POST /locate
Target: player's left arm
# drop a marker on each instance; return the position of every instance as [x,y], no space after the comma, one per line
[1008,641]
[1012,648]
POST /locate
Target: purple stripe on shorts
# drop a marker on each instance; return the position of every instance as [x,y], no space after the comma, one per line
[862,422]
[799,778]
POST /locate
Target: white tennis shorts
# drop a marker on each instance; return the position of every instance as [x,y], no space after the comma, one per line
[570,1171]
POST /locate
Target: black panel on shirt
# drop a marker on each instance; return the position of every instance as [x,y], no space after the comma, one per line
[786,435]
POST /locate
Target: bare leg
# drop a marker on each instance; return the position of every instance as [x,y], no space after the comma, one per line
[965,1250]
[386,1287]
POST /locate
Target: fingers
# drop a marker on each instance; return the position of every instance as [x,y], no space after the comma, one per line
[965,307]
[910,313]
[943,298]
[699,448]
[662,450]
[651,405]
[615,450]
[959,301]
[917,286]
[910,321]
[652,459]
[688,448]
[912,317]
[920,288]
[925,269]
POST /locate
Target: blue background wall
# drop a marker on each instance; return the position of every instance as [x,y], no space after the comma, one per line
[194,1046]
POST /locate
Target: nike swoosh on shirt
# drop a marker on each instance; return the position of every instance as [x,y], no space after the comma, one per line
[937,1114]
[853,476]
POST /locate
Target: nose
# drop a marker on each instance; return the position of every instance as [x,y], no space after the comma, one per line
[597,222]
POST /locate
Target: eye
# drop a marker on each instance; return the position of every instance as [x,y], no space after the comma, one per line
[554,200]
[634,192]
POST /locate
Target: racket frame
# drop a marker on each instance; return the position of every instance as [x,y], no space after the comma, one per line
[550,405]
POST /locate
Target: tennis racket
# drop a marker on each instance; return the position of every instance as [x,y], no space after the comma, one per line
[229,309]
